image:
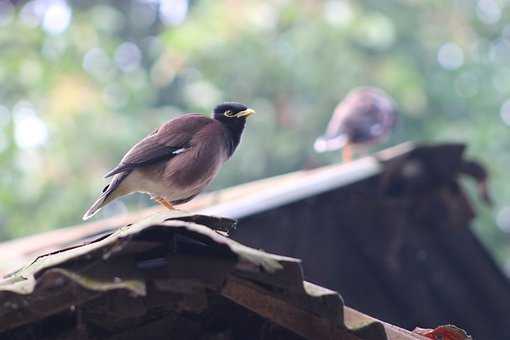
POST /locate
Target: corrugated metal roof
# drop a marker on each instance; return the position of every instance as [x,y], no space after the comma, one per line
[169,266]
[292,214]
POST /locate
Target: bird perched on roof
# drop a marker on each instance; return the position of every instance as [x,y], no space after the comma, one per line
[366,116]
[179,159]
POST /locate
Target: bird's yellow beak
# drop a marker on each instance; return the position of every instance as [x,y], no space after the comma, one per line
[245,113]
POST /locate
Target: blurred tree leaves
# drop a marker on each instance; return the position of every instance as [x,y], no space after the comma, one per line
[121,68]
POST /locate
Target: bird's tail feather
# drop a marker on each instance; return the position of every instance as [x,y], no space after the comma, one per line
[325,143]
[98,204]
[109,194]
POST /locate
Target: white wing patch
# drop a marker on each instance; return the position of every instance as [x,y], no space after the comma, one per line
[178,151]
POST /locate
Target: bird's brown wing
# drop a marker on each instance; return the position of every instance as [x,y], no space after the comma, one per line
[171,139]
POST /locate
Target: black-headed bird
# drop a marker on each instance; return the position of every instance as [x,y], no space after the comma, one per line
[179,159]
[364,117]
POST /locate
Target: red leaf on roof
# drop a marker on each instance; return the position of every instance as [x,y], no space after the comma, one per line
[445,332]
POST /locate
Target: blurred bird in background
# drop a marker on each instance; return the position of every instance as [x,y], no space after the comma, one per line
[365,117]
[179,159]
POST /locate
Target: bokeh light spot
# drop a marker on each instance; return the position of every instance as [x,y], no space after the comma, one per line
[505,113]
[30,14]
[97,63]
[143,14]
[57,17]
[450,56]
[128,57]
[29,130]
[54,15]
[338,13]
[265,16]
[488,11]
[173,12]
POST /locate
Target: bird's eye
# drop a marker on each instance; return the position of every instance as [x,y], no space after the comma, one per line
[228,113]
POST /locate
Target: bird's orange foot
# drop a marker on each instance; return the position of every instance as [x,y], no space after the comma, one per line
[164,202]
[347,153]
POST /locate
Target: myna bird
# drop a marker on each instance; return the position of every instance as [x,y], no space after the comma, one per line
[178,160]
[365,117]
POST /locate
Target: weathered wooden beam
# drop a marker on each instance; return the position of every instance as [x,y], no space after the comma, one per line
[283,313]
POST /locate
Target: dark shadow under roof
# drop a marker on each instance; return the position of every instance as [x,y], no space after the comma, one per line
[396,243]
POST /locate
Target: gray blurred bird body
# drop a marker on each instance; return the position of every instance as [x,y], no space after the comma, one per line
[366,116]
[178,160]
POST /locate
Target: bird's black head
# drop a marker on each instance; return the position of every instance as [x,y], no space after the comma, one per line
[233,117]
[231,110]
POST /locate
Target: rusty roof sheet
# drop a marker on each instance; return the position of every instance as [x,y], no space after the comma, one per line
[171,269]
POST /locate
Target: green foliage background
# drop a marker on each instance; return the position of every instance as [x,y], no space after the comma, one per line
[290,60]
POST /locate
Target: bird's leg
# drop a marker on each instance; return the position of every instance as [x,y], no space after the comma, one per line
[164,202]
[347,153]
